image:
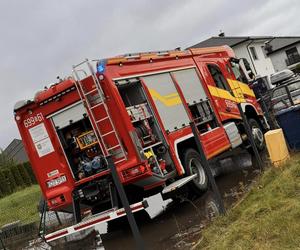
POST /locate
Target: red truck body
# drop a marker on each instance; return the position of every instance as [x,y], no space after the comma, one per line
[66,127]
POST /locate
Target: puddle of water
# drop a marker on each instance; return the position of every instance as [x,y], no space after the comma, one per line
[179,227]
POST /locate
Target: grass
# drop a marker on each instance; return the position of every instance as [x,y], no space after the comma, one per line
[21,205]
[268,217]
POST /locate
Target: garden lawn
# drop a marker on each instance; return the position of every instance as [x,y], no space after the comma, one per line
[21,205]
[267,218]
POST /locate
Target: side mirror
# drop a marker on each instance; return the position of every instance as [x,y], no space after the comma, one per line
[234,60]
[245,65]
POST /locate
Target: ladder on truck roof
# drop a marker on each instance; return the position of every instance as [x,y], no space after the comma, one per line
[98,113]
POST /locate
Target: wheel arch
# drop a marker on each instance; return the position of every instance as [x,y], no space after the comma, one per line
[182,145]
[251,112]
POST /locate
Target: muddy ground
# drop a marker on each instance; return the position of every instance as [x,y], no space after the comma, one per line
[167,225]
[180,225]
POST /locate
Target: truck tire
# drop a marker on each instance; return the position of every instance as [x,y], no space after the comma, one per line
[192,164]
[211,206]
[257,133]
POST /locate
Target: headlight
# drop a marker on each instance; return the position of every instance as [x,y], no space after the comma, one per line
[57,181]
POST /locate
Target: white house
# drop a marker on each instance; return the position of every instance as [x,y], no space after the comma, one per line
[284,52]
[266,54]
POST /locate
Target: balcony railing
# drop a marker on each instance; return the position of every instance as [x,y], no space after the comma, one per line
[292,59]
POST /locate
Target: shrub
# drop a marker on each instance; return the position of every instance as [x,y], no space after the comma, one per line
[29,170]
[9,181]
[4,188]
[5,161]
[25,176]
[17,175]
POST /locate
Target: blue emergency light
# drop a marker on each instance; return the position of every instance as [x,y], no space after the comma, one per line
[101,66]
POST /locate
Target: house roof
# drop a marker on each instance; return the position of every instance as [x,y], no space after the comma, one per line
[15,150]
[276,43]
[227,40]
[12,145]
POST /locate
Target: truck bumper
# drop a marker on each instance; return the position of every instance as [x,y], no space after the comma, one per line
[96,219]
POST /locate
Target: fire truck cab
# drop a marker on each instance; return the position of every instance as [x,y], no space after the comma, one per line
[137,109]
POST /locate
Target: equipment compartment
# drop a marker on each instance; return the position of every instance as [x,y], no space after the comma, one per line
[79,142]
[142,117]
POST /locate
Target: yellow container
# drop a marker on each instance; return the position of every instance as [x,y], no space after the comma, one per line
[277,147]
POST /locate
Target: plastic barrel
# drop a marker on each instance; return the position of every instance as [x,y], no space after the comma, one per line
[276,146]
[289,121]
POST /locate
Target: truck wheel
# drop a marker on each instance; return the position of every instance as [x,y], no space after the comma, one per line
[193,165]
[257,133]
[211,207]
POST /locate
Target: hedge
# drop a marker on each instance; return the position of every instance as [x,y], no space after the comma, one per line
[30,172]
[4,186]
[15,176]
[24,174]
[18,178]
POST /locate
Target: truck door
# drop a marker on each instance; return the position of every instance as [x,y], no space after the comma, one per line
[167,101]
[213,136]
[221,91]
[179,97]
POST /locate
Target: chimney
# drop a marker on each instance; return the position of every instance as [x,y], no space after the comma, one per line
[221,34]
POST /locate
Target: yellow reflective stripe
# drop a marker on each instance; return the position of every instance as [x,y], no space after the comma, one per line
[236,89]
[171,95]
[222,93]
[244,88]
[168,100]
[231,115]
[218,151]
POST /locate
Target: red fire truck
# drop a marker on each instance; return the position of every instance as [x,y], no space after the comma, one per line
[137,109]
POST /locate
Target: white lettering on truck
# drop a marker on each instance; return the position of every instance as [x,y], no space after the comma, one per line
[32,120]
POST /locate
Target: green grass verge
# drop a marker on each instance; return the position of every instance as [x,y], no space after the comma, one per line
[21,205]
[268,217]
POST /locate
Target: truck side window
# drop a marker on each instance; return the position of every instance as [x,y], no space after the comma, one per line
[218,77]
[238,72]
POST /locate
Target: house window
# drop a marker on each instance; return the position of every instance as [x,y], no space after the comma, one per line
[292,56]
[253,53]
[218,77]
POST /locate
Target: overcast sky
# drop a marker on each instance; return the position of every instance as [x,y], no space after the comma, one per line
[43,39]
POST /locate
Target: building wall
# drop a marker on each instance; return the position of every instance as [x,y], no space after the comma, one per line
[278,58]
[263,64]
